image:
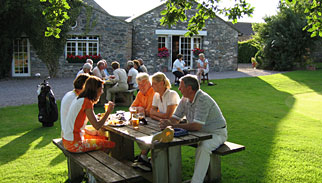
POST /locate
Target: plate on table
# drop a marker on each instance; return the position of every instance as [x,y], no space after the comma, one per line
[115,123]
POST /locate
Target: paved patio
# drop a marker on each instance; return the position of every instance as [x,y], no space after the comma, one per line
[15,92]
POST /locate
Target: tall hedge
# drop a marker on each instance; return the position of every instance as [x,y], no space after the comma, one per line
[246,51]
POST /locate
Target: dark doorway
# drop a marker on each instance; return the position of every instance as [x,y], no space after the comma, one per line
[175,47]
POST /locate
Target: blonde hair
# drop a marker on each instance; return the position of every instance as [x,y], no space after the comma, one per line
[159,76]
[201,55]
[142,76]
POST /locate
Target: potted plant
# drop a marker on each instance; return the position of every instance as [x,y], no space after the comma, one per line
[197,51]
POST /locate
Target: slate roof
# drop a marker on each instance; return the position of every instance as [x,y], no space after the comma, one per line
[243,27]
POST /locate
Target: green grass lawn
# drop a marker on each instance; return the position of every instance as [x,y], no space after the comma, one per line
[278,118]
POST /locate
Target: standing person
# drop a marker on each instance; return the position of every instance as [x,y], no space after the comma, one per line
[131,76]
[86,69]
[178,67]
[119,77]
[165,100]
[70,96]
[98,71]
[202,114]
[142,66]
[202,65]
[144,98]
[80,112]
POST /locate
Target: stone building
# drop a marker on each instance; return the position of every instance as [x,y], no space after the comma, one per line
[218,39]
[97,32]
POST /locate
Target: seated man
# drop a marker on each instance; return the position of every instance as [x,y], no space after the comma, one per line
[119,77]
[143,100]
[131,75]
[87,67]
[142,66]
[99,69]
[203,114]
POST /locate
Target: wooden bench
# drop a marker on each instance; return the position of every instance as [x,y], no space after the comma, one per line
[124,98]
[103,167]
[214,170]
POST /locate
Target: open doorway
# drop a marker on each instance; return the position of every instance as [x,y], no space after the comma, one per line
[175,48]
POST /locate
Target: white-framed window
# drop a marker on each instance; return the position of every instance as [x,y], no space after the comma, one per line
[162,41]
[21,57]
[82,45]
[186,46]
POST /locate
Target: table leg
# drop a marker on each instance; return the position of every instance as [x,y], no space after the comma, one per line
[175,172]
[160,172]
[124,148]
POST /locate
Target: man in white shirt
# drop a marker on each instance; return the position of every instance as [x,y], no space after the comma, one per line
[119,77]
[87,67]
[131,76]
[99,69]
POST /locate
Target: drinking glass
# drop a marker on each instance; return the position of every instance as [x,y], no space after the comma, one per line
[106,107]
[133,110]
[135,121]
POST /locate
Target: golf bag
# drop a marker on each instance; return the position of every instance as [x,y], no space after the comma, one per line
[48,112]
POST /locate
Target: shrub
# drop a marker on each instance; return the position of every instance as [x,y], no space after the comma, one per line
[246,50]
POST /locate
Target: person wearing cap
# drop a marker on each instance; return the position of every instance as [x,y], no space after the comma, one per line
[98,71]
[202,65]
[87,67]
[202,114]
[131,76]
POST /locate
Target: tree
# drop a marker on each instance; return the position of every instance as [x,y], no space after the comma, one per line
[283,43]
[313,12]
[25,16]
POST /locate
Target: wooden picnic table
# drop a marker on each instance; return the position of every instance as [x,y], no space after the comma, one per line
[166,157]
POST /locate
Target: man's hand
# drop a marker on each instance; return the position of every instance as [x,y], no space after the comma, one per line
[164,123]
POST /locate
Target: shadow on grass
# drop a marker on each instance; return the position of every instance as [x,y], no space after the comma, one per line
[311,79]
[20,145]
[58,159]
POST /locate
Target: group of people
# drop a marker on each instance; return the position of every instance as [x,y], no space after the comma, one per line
[201,111]
[155,99]
[124,79]
[179,68]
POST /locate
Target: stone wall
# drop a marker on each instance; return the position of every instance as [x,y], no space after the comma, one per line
[115,40]
[220,44]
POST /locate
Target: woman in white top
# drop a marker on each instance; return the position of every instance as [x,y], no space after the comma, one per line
[165,101]
[120,78]
[203,66]
[178,68]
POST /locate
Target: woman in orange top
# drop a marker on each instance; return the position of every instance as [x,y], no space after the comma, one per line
[80,112]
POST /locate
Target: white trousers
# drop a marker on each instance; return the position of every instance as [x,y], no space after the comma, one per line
[203,153]
[117,88]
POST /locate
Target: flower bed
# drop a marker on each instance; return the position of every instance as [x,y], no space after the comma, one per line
[82,59]
[197,51]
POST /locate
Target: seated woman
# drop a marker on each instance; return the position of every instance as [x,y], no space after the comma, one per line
[165,100]
[80,112]
[164,104]
[120,78]
[178,68]
[203,66]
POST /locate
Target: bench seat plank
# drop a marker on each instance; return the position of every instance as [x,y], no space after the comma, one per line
[123,170]
[99,164]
